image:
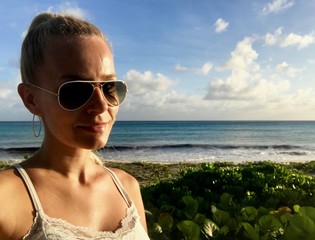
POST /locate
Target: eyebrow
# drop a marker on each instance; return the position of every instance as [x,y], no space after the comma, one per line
[109,76]
[80,77]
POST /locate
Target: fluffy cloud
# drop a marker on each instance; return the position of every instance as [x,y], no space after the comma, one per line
[203,70]
[247,84]
[300,41]
[247,91]
[291,39]
[71,9]
[285,69]
[10,102]
[220,25]
[277,5]
[147,83]
[180,68]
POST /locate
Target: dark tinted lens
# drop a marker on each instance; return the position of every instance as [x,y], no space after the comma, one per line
[114,92]
[73,95]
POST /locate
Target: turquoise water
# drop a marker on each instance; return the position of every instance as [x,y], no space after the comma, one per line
[163,141]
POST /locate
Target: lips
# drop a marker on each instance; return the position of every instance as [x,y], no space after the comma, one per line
[94,128]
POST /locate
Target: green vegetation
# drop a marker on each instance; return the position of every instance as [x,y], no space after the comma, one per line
[225,201]
[261,200]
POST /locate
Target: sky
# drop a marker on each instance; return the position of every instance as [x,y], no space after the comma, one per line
[187,60]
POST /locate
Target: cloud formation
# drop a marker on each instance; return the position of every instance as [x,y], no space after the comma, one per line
[221,25]
[285,69]
[277,5]
[292,39]
[246,91]
[71,9]
[203,70]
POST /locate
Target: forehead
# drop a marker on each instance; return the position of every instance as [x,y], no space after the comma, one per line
[87,56]
[76,45]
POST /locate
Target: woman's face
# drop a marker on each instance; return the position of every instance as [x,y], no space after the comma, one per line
[80,58]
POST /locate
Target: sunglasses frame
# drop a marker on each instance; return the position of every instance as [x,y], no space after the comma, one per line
[100,85]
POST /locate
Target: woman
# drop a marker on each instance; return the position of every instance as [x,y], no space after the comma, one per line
[63,192]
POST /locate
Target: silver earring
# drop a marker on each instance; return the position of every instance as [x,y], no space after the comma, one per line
[37,134]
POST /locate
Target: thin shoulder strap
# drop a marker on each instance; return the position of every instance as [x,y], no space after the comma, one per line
[119,186]
[30,187]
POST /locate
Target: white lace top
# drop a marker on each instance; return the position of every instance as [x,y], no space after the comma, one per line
[47,228]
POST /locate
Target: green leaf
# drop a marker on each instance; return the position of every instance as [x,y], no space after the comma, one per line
[221,217]
[296,208]
[190,229]
[299,227]
[269,223]
[308,212]
[165,221]
[250,231]
[199,219]
[209,227]
[192,206]
[249,213]
[226,198]
[284,218]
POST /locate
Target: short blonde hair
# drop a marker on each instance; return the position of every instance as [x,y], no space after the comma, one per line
[44,27]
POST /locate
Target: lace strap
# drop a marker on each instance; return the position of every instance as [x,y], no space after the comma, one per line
[119,186]
[30,186]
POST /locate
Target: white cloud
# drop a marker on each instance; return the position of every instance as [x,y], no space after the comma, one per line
[246,81]
[5,92]
[8,95]
[272,39]
[203,70]
[292,39]
[69,8]
[180,68]
[285,69]
[246,93]
[300,41]
[311,61]
[206,68]
[243,56]
[147,83]
[221,25]
[277,6]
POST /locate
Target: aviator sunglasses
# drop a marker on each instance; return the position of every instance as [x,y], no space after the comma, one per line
[73,95]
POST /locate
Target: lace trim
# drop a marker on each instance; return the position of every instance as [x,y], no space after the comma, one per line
[45,227]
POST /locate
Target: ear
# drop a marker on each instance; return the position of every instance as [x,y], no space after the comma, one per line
[29,98]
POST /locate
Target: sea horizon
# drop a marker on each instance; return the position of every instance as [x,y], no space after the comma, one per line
[172,141]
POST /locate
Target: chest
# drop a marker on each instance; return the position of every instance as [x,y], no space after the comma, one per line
[97,207]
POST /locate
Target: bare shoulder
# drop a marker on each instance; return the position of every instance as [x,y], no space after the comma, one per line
[10,192]
[10,188]
[128,181]
[8,182]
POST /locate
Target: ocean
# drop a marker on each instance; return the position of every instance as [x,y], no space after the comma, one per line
[185,141]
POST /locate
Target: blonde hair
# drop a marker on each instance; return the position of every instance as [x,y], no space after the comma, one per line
[44,27]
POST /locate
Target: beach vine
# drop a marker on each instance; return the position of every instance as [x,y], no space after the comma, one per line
[224,201]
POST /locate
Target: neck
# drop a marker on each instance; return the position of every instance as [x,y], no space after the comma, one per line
[69,162]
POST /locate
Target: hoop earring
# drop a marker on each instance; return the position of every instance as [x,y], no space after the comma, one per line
[40,126]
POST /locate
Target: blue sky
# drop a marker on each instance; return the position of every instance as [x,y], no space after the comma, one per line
[188,60]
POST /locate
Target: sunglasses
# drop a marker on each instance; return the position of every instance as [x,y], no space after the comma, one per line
[73,95]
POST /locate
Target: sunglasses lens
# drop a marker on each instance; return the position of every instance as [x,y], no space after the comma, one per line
[115,92]
[73,95]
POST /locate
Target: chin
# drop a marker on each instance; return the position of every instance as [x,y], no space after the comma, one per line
[99,144]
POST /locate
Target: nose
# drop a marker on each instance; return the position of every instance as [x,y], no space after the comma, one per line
[97,103]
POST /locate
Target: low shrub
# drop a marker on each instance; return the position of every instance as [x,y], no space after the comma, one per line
[223,201]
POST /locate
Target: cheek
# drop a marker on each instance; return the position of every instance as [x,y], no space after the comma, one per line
[48,105]
[113,112]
